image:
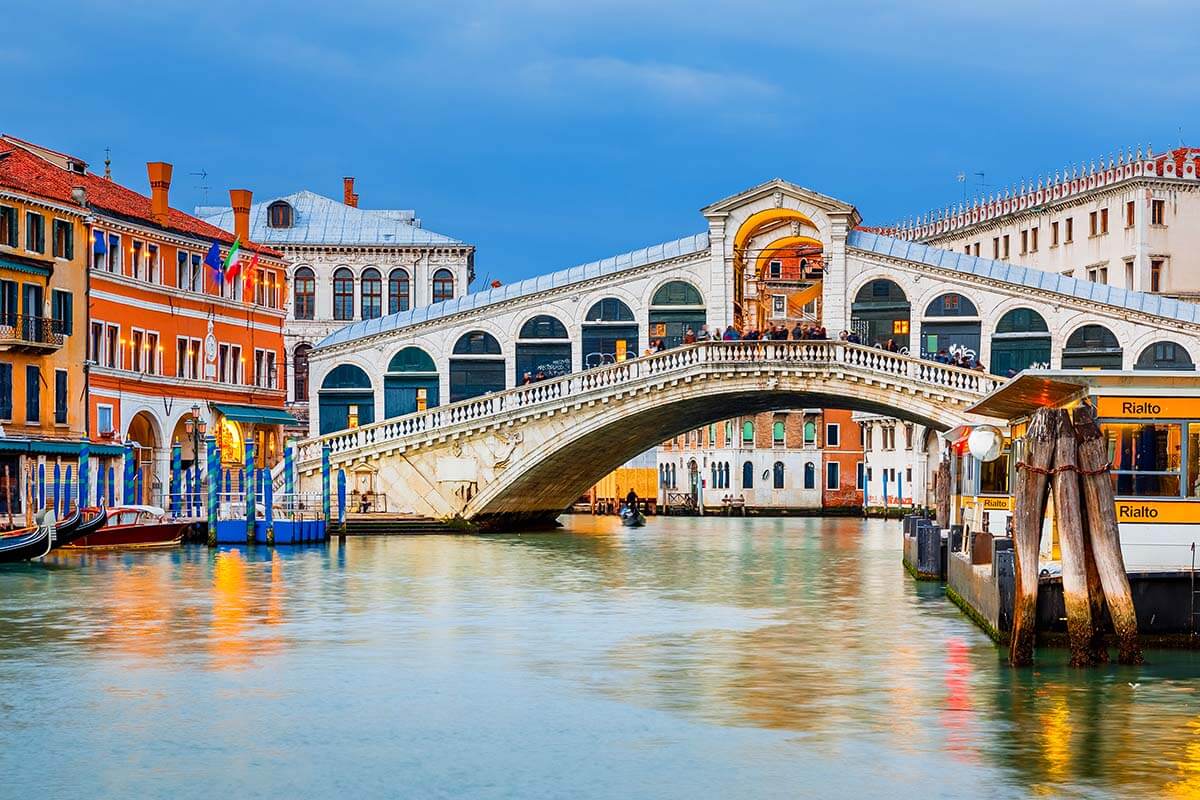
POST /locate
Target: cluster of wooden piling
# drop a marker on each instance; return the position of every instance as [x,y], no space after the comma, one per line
[1068,456]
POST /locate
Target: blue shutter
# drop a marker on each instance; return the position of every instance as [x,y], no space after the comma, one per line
[5,391]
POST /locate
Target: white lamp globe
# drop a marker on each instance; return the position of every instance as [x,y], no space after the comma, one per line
[985,442]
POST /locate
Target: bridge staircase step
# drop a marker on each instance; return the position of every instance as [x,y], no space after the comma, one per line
[395,526]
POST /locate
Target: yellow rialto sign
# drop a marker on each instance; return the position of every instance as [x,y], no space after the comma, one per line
[1152,512]
[1148,407]
[996,503]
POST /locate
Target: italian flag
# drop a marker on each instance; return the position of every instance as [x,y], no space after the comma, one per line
[232,264]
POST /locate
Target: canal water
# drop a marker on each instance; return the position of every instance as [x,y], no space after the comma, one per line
[693,658]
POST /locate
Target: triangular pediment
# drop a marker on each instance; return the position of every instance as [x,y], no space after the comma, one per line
[786,188]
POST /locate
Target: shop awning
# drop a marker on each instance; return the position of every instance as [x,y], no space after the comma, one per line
[26,265]
[56,447]
[258,416]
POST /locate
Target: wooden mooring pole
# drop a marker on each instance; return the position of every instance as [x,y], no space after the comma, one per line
[1069,516]
[1104,535]
[1029,498]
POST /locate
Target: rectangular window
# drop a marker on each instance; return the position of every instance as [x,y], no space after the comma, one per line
[1033,240]
[1103,221]
[8,226]
[152,263]
[183,274]
[860,476]
[976,248]
[1069,232]
[1157,268]
[112,346]
[6,390]
[35,232]
[64,239]
[833,475]
[115,262]
[995,247]
[223,363]
[104,419]
[136,356]
[260,287]
[1024,242]
[776,269]
[908,474]
[1054,234]
[152,354]
[62,309]
[779,304]
[1158,212]
[236,364]
[967,249]
[1130,208]
[1129,275]
[135,259]
[833,435]
[33,395]
[60,397]
[1006,243]
[187,357]
[95,341]
[1093,223]
[1145,458]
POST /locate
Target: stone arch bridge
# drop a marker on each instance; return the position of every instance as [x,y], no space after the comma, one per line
[431,402]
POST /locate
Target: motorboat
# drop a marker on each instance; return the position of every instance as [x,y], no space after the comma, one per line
[134,526]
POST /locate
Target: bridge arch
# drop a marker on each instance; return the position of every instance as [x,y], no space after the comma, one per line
[411,377]
[758,223]
[785,247]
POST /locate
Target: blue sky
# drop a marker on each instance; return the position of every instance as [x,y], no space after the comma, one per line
[553,133]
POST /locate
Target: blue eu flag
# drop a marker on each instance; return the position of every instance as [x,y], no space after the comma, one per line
[213,259]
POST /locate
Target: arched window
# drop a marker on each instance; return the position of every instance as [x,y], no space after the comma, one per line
[674,483]
[747,475]
[477,343]
[810,433]
[725,475]
[1021,341]
[676,308]
[943,336]
[343,294]
[1165,355]
[482,372]
[810,475]
[609,333]
[443,285]
[304,288]
[543,326]
[279,215]
[1092,347]
[716,476]
[951,305]
[399,291]
[300,372]
[372,294]
[346,399]
[411,383]
[881,312]
[777,433]
[747,432]
[539,356]
[777,473]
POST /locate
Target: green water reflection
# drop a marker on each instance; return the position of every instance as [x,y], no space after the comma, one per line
[691,658]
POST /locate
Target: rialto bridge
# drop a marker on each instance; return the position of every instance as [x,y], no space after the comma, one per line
[430,406]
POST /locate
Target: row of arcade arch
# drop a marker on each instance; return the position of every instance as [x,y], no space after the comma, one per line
[477,365]
[881,316]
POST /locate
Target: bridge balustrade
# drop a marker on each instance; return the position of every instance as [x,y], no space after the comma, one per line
[548,393]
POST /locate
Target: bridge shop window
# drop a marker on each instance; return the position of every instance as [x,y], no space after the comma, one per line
[1147,458]
[951,326]
[609,333]
[345,397]
[1165,356]
[543,349]
[881,312]
[1021,341]
[399,291]
[479,374]
[410,383]
[676,307]
[1092,347]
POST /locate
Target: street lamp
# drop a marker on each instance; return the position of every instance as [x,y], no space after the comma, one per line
[196,427]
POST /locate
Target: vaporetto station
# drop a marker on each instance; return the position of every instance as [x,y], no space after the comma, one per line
[430,408]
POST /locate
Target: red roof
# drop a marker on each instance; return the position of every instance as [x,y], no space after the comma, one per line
[28,172]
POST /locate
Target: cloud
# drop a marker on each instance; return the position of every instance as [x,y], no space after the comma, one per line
[677,84]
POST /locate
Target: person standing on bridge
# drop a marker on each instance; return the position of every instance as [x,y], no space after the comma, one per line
[703,335]
[689,336]
[731,334]
[798,331]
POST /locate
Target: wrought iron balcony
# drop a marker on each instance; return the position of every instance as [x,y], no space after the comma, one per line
[20,332]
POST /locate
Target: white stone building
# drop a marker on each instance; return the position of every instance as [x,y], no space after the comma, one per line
[899,460]
[348,264]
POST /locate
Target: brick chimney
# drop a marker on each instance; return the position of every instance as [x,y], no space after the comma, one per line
[160,187]
[348,195]
[240,200]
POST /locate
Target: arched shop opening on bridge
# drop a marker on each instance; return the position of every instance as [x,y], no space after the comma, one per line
[345,399]
[1021,341]
[410,383]
[675,308]
[951,326]
[543,347]
[476,366]
[881,312]
[609,333]
[1092,347]
[1165,356]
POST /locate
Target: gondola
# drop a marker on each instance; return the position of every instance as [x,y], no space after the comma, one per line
[77,526]
[632,517]
[24,544]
